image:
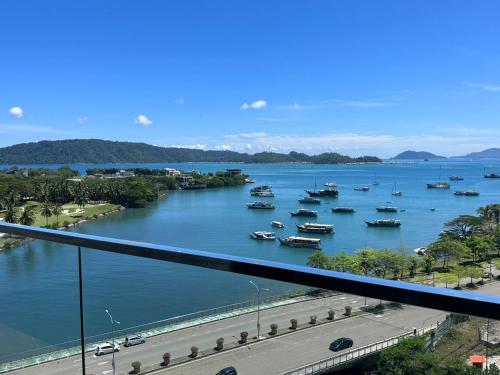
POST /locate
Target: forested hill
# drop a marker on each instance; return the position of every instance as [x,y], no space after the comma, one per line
[100,151]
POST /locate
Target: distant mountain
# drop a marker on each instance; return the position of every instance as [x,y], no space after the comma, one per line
[99,151]
[417,155]
[490,153]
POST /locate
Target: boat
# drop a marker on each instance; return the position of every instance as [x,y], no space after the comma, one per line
[331,184]
[467,193]
[384,223]
[261,235]
[375,181]
[396,192]
[387,209]
[304,212]
[420,251]
[264,193]
[440,184]
[362,188]
[277,224]
[260,188]
[249,181]
[456,178]
[292,241]
[315,228]
[309,200]
[323,193]
[343,210]
[492,175]
[261,205]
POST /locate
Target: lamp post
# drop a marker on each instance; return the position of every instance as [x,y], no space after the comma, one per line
[112,338]
[258,306]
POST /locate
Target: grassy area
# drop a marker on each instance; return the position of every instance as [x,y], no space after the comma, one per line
[70,215]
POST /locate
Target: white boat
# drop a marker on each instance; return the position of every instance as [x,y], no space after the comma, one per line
[261,205]
[315,228]
[277,224]
[261,235]
[314,243]
[249,180]
[266,193]
[331,184]
[420,250]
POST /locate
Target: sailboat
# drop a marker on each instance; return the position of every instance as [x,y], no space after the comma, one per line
[375,181]
[440,184]
[395,191]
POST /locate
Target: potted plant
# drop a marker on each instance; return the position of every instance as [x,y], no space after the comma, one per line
[293,323]
[220,343]
[274,329]
[194,352]
[166,359]
[331,314]
[313,319]
[243,337]
[348,310]
[136,365]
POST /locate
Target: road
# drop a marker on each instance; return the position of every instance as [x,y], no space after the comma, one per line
[362,329]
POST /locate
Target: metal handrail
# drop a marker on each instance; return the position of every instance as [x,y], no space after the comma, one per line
[398,291]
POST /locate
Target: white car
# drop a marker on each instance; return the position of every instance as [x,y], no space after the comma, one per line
[106,348]
[134,340]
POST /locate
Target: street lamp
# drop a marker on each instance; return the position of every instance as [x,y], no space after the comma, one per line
[112,337]
[258,306]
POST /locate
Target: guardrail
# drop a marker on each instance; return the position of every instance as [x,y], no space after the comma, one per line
[340,359]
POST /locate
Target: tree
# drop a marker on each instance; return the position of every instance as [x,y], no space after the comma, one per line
[28,216]
[474,273]
[366,260]
[57,211]
[46,211]
[459,272]
[9,203]
[342,262]
[319,260]
[490,213]
[428,263]
[383,262]
[480,246]
[446,278]
[412,266]
[447,248]
[462,226]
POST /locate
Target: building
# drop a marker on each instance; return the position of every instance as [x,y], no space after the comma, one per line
[172,172]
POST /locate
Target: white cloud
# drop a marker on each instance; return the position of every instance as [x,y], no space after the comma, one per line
[258,104]
[223,147]
[197,146]
[179,101]
[16,112]
[143,120]
[82,119]
[485,86]
[296,107]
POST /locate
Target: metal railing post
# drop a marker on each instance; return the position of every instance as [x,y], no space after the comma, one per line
[80,288]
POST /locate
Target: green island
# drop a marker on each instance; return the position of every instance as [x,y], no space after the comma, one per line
[62,198]
[467,246]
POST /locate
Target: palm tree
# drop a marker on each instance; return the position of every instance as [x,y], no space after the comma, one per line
[46,211]
[28,216]
[10,214]
[81,195]
[9,204]
[57,210]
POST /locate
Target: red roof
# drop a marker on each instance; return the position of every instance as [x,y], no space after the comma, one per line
[477,359]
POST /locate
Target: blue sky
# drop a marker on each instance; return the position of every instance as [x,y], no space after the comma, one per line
[357,77]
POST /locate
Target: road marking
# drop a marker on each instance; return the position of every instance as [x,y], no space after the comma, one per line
[107,371]
[101,363]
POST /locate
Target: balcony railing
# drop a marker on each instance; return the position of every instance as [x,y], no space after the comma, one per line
[413,294]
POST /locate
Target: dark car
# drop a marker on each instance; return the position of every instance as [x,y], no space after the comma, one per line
[341,344]
[228,371]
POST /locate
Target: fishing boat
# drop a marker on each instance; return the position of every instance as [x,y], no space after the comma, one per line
[277,224]
[265,236]
[343,210]
[249,180]
[309,200]
[467,193]
[323,193]
[264,193]
[331,184]
[362,188]
[261,205]
[440,184]
[396,192]
[384,223]
[387,209]
[260,188]
[304,212]
[456,178]
[315,228]
[492,175]
[314,243]
[420,251]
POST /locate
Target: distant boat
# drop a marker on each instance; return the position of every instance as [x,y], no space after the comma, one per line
[310,200]
[261,205]
[387,209]
[304,212]
[249,181]
[456,178]
[263,193]
[266,236]
[315,228]
[314,243]
[362,188]
[343,210]
[384,223]
[440,184]
[375,181]
[395,191]
[277,224]
[323,193]
[260,188]
[492,175]
[420,251]
[467,193]
[331,184]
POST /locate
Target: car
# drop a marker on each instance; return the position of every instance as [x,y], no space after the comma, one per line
[228,371]
[341,344]
[134,340]
[106,348]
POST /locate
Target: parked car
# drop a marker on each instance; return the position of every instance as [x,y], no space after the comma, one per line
[228,371]
[134,340]
[341,344]
[106,348]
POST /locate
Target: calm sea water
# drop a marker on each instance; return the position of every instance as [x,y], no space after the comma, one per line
[38,284]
